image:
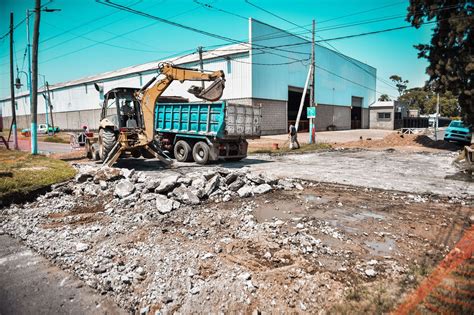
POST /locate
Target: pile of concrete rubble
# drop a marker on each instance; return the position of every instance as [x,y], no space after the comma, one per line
[169,192]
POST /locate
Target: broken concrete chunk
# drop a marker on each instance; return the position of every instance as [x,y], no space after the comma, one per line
[257,179]
[82,247]
[152,184]
[262,189]
[370,273]
[286,185]
[245,191]
[124,189]
[165,205]
[186,196]
[236,184]
[167,184]
[230,178]
[212,185]
[107,174]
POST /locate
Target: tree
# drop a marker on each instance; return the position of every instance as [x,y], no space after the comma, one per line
[425,100]
[384,98]
[399,83]
[417,98]
[450,52]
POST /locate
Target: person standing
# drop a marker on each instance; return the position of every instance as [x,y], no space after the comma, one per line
[292,134]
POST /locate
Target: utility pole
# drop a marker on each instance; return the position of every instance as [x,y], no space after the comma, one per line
[28,51]
[312,128]
[201,63]
[34,80]
[12,87]
[50,106]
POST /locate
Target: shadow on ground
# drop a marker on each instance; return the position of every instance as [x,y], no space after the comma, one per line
[438,144]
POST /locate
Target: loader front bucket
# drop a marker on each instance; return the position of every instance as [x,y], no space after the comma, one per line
[212,93]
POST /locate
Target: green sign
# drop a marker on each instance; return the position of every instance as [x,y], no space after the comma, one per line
[311,112]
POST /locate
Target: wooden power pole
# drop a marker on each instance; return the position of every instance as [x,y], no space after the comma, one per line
[34,80]
[12,87]
[201,63]
[50,106]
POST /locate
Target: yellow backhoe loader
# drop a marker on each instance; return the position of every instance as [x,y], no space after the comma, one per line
[129,125]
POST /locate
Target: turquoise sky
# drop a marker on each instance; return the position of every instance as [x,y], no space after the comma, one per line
[87,38]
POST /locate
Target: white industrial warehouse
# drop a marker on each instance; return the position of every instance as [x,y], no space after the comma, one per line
[256,75]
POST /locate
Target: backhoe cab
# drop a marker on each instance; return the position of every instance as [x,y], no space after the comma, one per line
[127,117]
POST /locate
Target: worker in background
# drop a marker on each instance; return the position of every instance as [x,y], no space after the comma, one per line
[292,134]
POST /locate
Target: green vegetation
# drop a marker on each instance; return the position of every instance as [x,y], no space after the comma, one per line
[55,139]
[285,149]
[449,53]
[22,173]
[425,99]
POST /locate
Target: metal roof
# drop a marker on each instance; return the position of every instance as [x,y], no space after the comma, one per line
[149,66]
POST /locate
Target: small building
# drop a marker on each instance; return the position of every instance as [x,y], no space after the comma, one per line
[268,70]
[387,114]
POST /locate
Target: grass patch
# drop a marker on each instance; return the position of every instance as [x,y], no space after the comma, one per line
[22,173]
[54,139]
[303,148]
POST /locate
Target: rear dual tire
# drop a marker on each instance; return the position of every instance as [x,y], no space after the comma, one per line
[201,152]
[182,151]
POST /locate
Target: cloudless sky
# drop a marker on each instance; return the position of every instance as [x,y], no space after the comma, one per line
[86,37]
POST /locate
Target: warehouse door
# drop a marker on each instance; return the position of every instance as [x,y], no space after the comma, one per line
[294,99]
[356,112]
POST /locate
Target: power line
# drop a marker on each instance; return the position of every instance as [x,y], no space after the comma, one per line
[362,12]
[339,53]
[208,6]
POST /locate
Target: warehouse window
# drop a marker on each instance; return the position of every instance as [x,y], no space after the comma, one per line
[384,116]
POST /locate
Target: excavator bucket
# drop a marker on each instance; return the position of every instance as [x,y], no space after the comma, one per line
[212,93]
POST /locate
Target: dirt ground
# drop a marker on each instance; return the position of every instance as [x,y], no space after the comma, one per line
[330,248]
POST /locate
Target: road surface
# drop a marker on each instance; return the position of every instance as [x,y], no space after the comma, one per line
[392,170]
[44,147]
[29,284]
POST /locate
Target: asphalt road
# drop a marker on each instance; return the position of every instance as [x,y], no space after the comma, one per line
[44,147]
[29,284]
[431,173]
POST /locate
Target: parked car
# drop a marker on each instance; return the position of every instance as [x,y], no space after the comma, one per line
[42,129]
[457,131]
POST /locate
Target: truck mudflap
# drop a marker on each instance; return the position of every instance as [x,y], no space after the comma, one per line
[228,150]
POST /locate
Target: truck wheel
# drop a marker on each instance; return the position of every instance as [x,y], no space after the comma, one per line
[201,153]
[95,152]
[182,151]
[88,150]
[106,142]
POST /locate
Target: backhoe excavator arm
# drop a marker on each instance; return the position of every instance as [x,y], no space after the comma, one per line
[148,95]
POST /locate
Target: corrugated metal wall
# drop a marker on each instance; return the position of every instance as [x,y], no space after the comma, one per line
[271,81]
[85,97]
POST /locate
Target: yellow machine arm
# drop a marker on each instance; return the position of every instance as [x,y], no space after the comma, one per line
[149,95]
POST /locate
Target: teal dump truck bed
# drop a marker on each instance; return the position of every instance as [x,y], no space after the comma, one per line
[219,120]
[206,131]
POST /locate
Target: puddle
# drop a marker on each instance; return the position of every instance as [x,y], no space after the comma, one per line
[266,212]
[385,248]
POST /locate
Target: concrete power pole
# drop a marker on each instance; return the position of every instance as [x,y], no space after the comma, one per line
[12,87]
[201,63]
[34,80]
[50,106]
[312,127]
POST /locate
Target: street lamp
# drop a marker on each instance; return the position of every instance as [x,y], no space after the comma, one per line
[18,84]
[34,135]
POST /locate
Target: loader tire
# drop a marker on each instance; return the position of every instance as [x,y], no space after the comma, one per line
[201,153]
[107,141]
[95,152]
[182,151]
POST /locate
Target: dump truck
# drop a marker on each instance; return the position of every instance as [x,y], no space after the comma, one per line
[204,132]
